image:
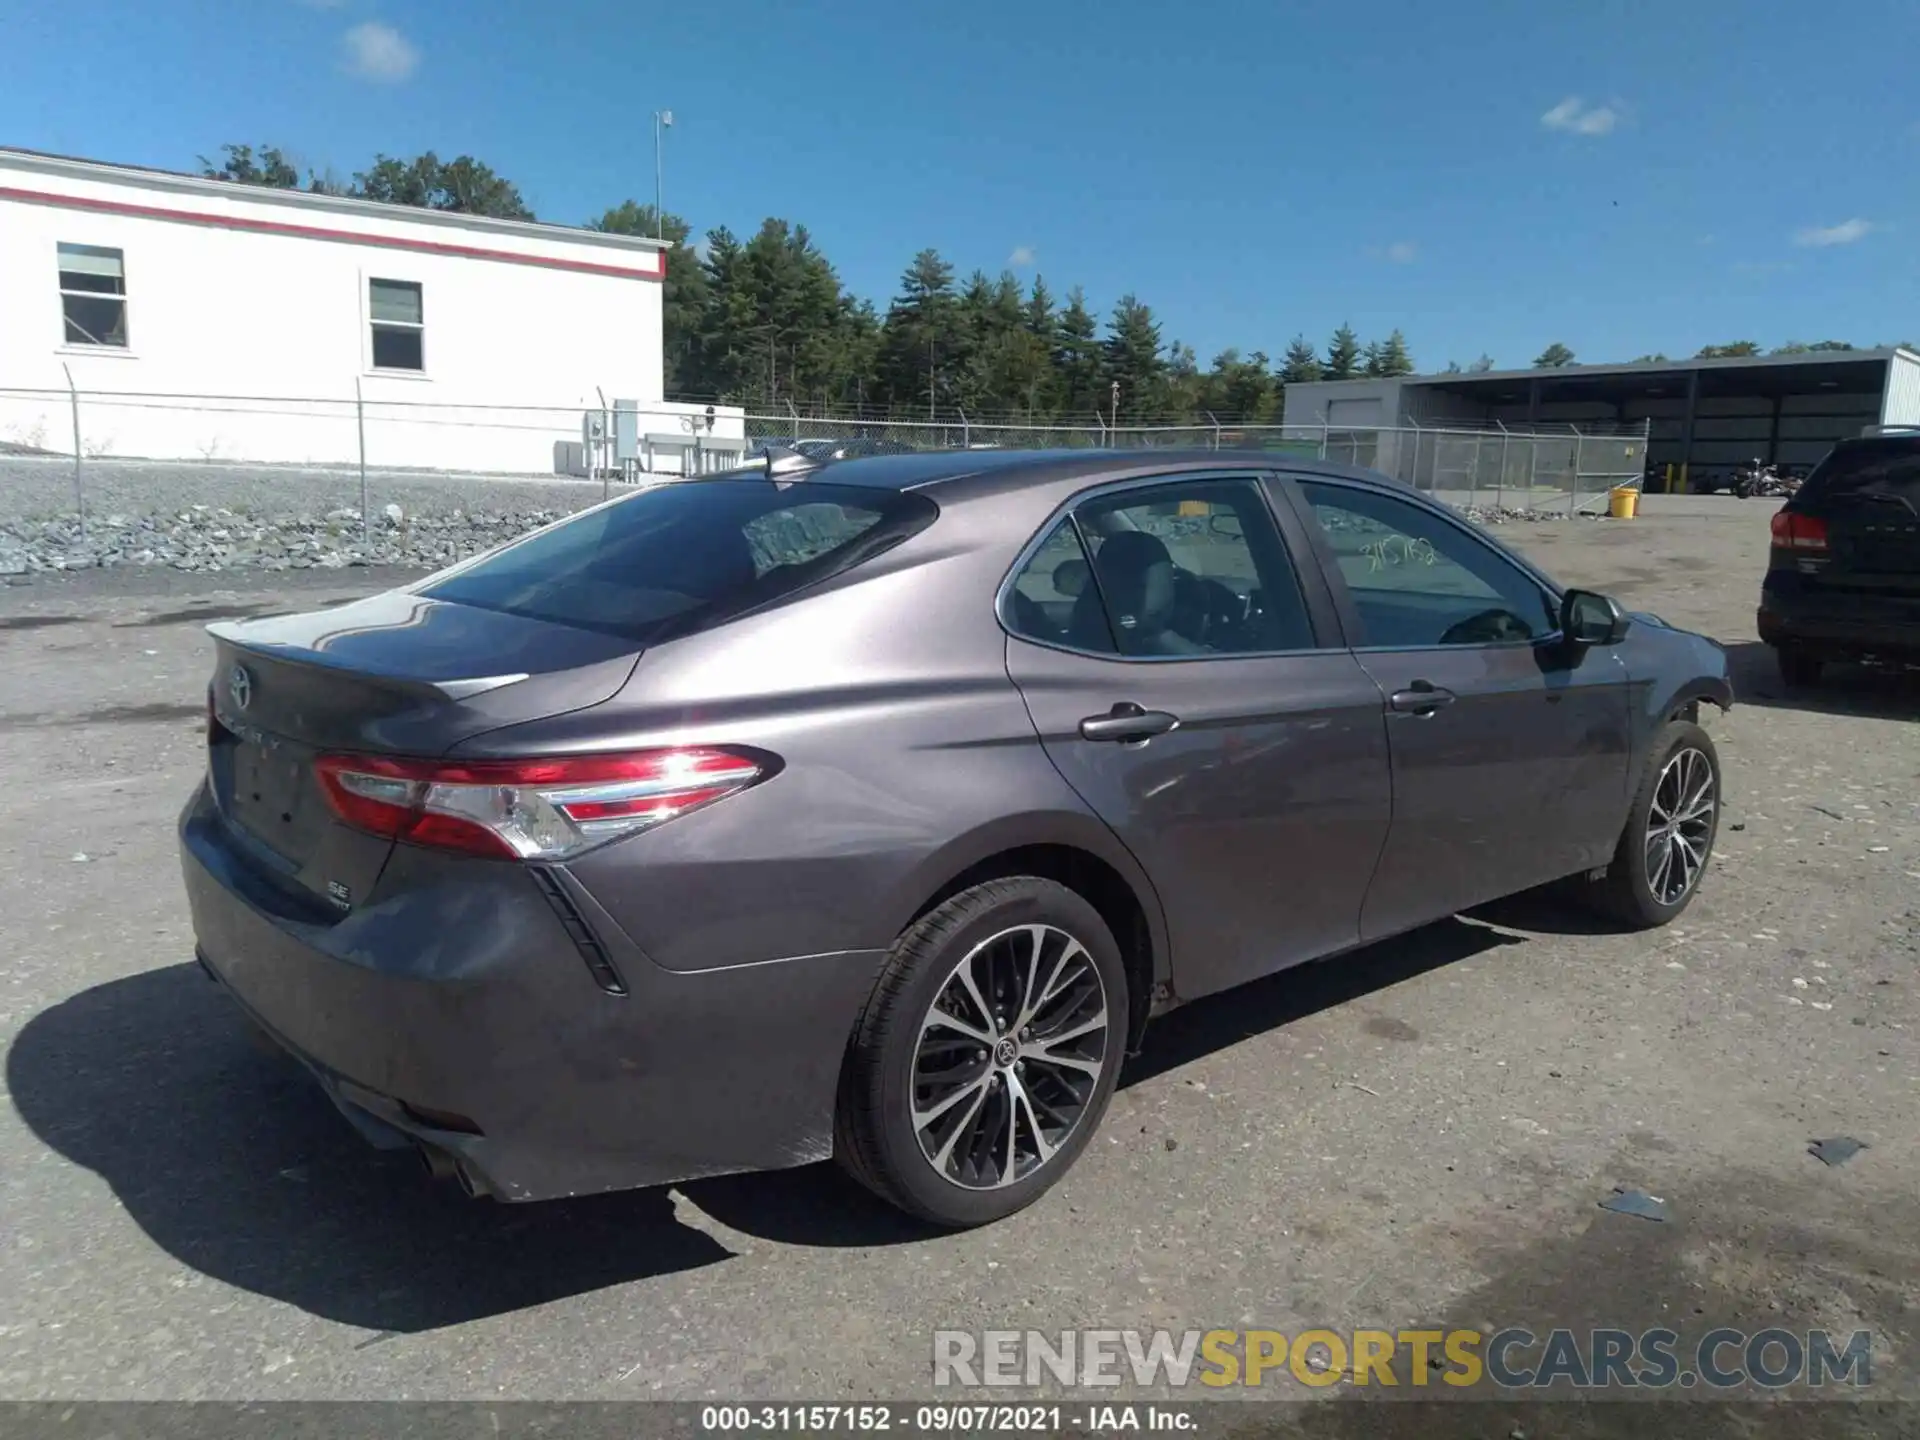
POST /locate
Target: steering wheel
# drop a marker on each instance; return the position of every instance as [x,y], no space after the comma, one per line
[1485,628]
[1205,610]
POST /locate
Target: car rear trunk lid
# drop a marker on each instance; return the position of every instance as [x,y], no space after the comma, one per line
[396,674]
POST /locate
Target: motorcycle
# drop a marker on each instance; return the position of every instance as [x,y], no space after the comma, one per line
[1757,479]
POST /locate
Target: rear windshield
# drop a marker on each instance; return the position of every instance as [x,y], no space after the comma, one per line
[1887,468]
[680,557]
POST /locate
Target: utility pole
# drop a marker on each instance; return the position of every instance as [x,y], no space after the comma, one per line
[1116,406]
[931,377]
[662,121]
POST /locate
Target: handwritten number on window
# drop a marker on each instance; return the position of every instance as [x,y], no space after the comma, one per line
[1396,551]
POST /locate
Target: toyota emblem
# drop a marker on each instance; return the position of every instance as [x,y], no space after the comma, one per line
[240,687]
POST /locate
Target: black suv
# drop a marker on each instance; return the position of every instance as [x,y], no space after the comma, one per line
[1843,576]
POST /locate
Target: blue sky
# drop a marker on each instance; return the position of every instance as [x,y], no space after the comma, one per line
[1488,175]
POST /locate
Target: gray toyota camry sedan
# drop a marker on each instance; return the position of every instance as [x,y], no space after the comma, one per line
[873,808]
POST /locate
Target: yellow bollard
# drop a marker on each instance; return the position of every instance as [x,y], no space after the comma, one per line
[1623,502]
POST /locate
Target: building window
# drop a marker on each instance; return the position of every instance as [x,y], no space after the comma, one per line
[399,333]
[93,295]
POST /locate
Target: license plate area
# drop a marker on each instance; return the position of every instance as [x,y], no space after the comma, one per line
[271,795]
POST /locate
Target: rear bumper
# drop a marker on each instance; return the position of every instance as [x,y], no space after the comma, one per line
[1845,623]
[458,998]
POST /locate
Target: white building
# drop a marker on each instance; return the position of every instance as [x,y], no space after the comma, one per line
[199,319]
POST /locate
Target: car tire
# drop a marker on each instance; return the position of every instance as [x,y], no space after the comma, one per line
[1637,889]
[1798,669]
[1013,937]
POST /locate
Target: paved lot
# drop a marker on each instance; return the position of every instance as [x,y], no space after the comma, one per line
[1418,1133]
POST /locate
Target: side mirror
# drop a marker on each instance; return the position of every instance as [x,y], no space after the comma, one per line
[1588,618]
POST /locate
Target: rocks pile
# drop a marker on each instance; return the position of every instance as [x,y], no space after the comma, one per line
[1502,514]
[210,539]
[206,538]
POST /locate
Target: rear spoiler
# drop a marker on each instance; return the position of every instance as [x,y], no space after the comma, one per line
[229,633]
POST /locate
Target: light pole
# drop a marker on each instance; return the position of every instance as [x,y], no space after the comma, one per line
[662,121]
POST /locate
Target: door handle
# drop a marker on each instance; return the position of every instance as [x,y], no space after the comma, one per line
[1420,698]
[1127,721]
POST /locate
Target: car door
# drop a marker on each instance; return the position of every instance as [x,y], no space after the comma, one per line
[1510,749]
[1199,699]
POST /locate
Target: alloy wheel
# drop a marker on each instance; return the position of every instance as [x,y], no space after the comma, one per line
[1680,825]
[1009,1057]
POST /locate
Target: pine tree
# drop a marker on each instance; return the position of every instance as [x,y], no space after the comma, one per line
[1040,317]
[1077,360]
[1390,356]
[1554,357]
[1130,357]
[919,337]
[1343,355]
[1302,364]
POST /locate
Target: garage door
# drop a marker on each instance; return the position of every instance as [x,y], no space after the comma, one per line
[1346,414]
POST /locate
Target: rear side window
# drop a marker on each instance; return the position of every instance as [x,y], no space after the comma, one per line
[1870,468]
[1054,599]
[681,557]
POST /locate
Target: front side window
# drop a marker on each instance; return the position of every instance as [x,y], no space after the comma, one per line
[1188,568]
[93,295]
[398,312]
[1419,581]
[680,558]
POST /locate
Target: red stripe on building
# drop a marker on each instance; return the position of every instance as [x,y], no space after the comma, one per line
[315,232]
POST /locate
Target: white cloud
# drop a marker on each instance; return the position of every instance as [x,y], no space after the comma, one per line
[1845,233]
[1023,255]
[701,248]
[1403,252]
[1575,115]
[380,52]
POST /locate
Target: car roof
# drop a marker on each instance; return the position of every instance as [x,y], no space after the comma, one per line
[1890,437]
[980,472]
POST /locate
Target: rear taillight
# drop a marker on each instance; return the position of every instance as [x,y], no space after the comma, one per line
[1799,532]
[529,809]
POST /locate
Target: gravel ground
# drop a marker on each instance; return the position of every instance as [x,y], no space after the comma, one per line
[34,488]
[1418,1133]
[212,518]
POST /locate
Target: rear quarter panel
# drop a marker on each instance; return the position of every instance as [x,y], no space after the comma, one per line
[907,756]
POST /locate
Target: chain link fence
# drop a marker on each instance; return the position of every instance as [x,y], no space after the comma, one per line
[91,454]
[1554,468]
[297,476]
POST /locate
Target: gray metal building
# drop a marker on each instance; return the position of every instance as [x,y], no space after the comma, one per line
[1706,415]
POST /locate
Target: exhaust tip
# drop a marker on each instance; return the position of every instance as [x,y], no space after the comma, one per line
[443,1167]
[470,1184]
